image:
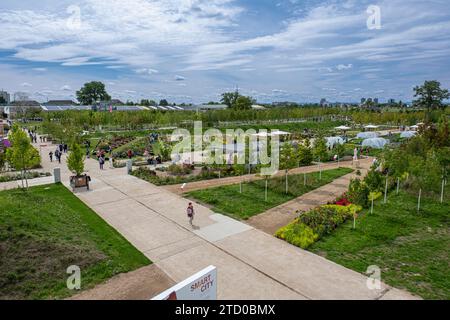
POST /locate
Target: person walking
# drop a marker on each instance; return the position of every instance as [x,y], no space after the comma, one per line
[50,154]
[58,155]
[190,213]
[101,161]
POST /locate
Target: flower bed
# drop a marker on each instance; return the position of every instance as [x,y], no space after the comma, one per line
[316,223]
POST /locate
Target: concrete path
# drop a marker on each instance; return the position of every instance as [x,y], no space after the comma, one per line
[205,184]
[251,264]
[277,217]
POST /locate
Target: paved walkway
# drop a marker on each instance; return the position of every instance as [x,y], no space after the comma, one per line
[251,264]
[277,217]
[205,184]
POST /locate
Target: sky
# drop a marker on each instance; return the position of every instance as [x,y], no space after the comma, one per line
[193,50]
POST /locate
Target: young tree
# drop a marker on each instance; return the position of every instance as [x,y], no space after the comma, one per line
[75,161]
[320,149]
[92,92]
[305,154]
[430,95]
[22,155]
[288,159]
[339,149]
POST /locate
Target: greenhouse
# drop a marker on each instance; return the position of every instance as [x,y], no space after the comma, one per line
[376,143]
[367,135]
[332,141]
[408,134]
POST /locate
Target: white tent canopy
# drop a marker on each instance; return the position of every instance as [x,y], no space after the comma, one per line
[332,141]
[343,128]
[371,126]
[376,143]
[408,134]
[367,135]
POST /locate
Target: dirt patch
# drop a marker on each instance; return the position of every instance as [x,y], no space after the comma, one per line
[141,284]
[27,264]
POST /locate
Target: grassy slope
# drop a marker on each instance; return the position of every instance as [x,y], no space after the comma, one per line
[47,229]
[228,199]
[411,249]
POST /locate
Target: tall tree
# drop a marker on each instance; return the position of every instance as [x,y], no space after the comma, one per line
[163,103]
[230,98]
[92,92]
[22,155]
[243,103]
[234,100]
[431,95]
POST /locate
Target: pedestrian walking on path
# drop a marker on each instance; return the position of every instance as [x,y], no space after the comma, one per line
[58,155]
[190,213]
[51,156]
[101,161]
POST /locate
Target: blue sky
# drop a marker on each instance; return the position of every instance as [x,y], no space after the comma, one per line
[193,50]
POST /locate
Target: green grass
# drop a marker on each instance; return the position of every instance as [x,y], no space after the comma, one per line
[228,199]
[412,249]
[47,229]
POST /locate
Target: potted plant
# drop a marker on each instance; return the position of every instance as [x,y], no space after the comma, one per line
[75,163]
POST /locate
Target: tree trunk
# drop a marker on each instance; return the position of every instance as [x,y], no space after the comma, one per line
[26,179]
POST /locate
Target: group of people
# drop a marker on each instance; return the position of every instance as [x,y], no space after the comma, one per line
[60,149]
[152,160]
[33,135]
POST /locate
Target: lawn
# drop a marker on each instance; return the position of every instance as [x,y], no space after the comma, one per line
[412,249]
[228,199]
[47,229]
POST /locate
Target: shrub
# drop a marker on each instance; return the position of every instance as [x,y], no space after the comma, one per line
[179,170]
[298,234]
[312,225]
[374,180]
[358,193]
[374,195]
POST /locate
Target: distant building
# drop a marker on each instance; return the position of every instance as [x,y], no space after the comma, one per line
[21,96]
[59,103]
[117,102]
[204,107]
[5,95]
[391,101]
[25,103]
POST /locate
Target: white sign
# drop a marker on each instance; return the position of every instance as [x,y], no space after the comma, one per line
[200,286]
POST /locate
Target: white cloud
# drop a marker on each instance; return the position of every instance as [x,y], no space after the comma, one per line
[26,84]
[146,71]
[179,78]
[66,88]
[344,67]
